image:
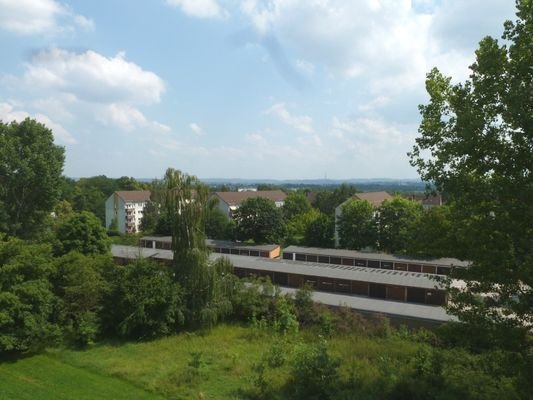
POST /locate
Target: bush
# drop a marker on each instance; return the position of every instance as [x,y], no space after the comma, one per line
[314,373]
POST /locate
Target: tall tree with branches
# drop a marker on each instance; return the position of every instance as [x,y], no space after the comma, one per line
[207,285]
[476,145]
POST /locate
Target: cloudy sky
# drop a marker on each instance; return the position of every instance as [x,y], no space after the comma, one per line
[286,89]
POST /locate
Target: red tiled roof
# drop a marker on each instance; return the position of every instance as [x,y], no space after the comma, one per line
[374,198]
[134,195]
[236,198]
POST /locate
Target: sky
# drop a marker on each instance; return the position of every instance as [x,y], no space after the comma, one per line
[272,89]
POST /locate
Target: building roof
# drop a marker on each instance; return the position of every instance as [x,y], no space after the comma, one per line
[374,198]
[387,307]
[236,198]
[220,243]
[372,275]
[365,304]
[134,195]
[449,262]
[362,274]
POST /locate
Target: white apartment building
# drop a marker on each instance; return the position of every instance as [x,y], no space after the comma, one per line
[126,208]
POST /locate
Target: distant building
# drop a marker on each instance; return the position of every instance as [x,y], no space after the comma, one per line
[126,208]
[374,198]
[427,200]
[230,201]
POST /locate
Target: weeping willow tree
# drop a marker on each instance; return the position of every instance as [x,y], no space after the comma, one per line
[207,285]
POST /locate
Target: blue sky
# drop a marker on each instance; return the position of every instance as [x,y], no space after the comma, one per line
[283,89]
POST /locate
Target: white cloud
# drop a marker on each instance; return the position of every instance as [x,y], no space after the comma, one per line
[123,116]
[302,123]
[33,17]
[9,114]
[387,45]
[198,8]
[93,77]
[196,129]
[371,132]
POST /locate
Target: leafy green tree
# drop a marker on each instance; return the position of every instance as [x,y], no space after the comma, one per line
[259,219]
[207,286]
[475,145]
[143,301]
[30,176]
[326,201]
[298,226]
[79,284]
[82,232]
[27,304]
[356,226]
[433,236]
[319,232]
[219,226]
[397,220]
[150,216]
[296,204]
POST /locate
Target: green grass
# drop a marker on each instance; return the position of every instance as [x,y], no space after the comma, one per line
[44,377]
[162,367]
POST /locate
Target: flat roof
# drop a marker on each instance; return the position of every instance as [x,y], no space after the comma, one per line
[133,252]
[220,243]
[243,246]
[363,274]
[376,256]
[386,307]
[362,303]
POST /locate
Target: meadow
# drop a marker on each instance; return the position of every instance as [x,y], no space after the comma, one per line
[217,364]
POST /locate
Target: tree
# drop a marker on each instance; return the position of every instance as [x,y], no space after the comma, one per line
[207,286]
[27,304]
[79,284]
[299,225]
[143,301]
[259,219]
[82,232]
[475,144]
[219,226]
[433,236]
[326,201]
[30,176]
[295,204]
[319,233]
[397,219]
[356,225]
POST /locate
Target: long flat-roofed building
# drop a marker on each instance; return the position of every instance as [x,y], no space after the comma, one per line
[408,294]
[218,246]
[441,266]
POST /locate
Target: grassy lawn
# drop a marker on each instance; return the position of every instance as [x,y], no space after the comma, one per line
[216,365]
[44,377]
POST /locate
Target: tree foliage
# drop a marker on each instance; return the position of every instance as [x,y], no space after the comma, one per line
[142,301]
[82,232]
[356,225]
[397,219]
[30,176]
[79,283]
[259,219]
[326,201]
[206,285]
[475,144]
[295,204]
[319,232]
[27,304]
